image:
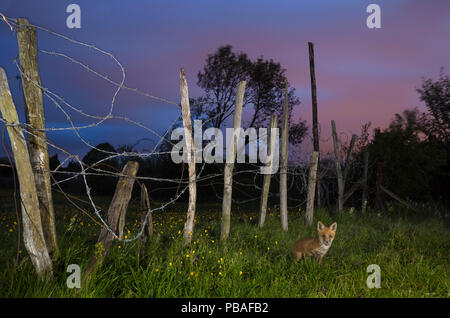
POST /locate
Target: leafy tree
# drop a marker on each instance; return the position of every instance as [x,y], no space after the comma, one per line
[265,91]
[436,126]
[436,96]
[100,153]
[219,79]
[410,163]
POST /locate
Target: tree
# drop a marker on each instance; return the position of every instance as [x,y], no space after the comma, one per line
[436,96]
[98,163]
[266,82]
[54,162]
[410,163]
[436,126]
[219,79]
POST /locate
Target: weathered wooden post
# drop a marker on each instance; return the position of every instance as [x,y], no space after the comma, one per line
[117,209]
[348,158]
[364,182]
[337,160]
[314,112]
[34,110]
[229,165]
[33,234]
[267,177]
[284,162]
[313,96]
[146,216]
[379,195]
[354,187]
[186,113]
[311,187]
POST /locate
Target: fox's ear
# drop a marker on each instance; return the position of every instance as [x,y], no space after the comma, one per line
[333,227]
[320,226]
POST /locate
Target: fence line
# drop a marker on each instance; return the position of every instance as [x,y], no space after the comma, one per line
[296,172]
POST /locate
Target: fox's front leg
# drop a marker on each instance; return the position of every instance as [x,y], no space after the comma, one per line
[320,258]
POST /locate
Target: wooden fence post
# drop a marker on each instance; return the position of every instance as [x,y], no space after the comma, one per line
[190,148]
[348,157]
[31,218]
[354,187]
[364,182]
[267,177]
[229,165]
[379,179]
[313,96]
[314,113]
[117,210]
[284,162]
[337,160]
[34,110]
[318,183]
[145,207]
[311,187]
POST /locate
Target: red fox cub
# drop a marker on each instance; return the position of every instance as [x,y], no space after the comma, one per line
[315,246]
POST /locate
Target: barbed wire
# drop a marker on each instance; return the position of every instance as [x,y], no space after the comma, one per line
[297,173]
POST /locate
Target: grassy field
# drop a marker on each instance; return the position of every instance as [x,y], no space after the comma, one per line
[412,252]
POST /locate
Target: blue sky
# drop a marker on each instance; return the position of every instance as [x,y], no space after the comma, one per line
[362,75]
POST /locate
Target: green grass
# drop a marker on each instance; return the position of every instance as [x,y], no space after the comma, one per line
[412,252]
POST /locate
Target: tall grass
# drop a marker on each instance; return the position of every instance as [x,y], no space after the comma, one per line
[412,253]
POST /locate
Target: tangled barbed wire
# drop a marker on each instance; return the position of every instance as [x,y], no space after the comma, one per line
[297,172]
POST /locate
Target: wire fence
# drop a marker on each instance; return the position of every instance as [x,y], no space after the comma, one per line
[298,172]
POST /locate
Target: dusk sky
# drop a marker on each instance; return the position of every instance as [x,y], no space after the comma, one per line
[362,74]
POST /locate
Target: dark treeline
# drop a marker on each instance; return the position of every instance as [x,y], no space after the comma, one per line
[413,152]
[410,156]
